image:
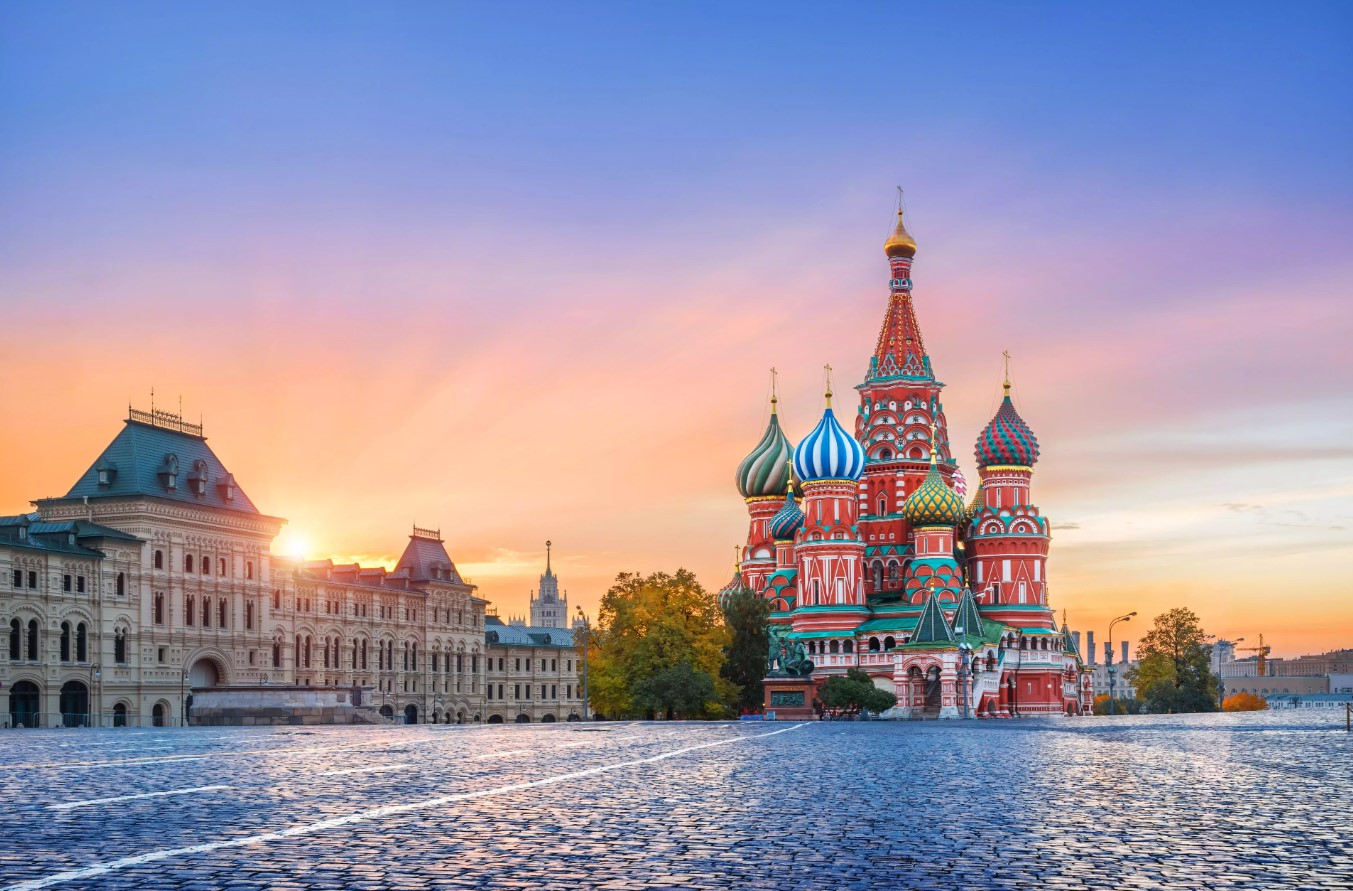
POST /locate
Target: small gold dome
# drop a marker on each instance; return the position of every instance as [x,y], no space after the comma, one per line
[900,243]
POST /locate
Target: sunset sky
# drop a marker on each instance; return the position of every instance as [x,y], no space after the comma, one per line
[519,271]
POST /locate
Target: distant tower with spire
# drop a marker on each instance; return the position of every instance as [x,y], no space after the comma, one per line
[549,609]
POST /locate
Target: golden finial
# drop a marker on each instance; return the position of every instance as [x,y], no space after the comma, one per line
[774,394]
[789,486]
[737,556]
[828,369]
[1006,354]
[933,454]
[900,243]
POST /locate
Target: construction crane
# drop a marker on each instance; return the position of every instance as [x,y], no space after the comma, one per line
[1262,650]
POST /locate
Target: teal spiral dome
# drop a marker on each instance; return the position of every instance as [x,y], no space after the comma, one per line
[765,471]
[787,520]
[1007,439]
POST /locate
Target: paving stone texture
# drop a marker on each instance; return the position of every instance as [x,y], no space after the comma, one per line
[1261,801]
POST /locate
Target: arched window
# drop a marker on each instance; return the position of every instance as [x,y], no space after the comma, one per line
[892,570]
[206,565]
[363,655]
[222,611]
[834,647]
[120,646]
[189,610]
[187,562]
[159,559]
[32,640]
[276,598]
[249,569]
[873,644]
[121,584]
[206,612]
[878,576]
[65,641]
[883,500]
[888,644]
[15,639]
[81,643]
[249,615]
[414,655]
[220,566]
[848,646]
[276,654]
[309,644]
[886,454]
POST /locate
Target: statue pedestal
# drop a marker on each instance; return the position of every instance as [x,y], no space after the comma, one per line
[790,698]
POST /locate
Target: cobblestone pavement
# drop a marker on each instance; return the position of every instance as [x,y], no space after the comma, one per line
[1259,801]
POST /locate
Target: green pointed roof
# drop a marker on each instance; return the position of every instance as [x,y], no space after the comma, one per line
[932,629]
[1070,641]
[967,617]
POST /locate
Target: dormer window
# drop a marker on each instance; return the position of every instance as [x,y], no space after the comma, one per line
[197,480]
[107,472]
[168,472]
[226,485]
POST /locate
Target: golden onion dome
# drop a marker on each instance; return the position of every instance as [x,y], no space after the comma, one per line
[900,243]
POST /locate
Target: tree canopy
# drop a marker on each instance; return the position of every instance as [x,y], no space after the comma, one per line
[1173,672]
[1244,702]
[659,647]
[744,662]
[844,697]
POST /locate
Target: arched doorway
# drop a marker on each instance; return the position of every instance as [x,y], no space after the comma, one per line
[460,716]
[410,714]
[548,719]
[932,688]
[120,715]
[495,719]
[23,704]
[204,673]
[74,704]
[157,715]
[523,719]
[387,711]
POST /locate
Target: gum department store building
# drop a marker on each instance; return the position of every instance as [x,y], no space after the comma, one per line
[152,576]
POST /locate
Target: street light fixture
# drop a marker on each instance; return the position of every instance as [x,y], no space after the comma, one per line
[965,651]
[1113,670]
[587,630]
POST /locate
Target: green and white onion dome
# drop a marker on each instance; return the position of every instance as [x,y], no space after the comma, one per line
[934,503]
[765,471]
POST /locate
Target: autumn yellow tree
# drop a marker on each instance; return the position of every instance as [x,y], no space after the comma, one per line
[659,644]
[1243,702]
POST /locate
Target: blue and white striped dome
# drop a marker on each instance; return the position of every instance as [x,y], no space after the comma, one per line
[829,452]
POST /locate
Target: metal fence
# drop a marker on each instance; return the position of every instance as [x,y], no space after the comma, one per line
[78,720]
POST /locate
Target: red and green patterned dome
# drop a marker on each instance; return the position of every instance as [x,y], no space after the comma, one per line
[1007,439]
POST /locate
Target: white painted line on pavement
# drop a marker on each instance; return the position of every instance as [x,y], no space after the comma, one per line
[65,806]
[593,742]
[100,869]
[501,754]
[383,767]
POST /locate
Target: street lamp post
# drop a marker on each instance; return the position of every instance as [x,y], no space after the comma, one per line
[587,630]
[1113,670]
[183,701]
[95,672]
[964,651]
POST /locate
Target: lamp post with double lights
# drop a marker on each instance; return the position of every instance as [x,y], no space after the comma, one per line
[587,642]
[1113,669]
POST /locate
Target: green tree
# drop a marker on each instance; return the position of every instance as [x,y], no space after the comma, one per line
[646,626]
[844,697]
[1173,672]
[679,692]
[744,657]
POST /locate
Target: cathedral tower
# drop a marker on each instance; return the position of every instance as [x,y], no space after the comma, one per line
[548,608]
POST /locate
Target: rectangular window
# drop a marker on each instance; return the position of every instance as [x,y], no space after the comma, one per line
[32,579]
[160,654]
[528,691]
[18,578]
[65,582]
[518,661]
[516,688]
[554,689]
[80,584]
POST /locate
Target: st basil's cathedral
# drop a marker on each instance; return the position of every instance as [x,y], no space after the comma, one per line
[871,559]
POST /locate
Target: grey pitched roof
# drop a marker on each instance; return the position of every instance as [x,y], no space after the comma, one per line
[425,559]
[139,453]
[77,537]
[498,632]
